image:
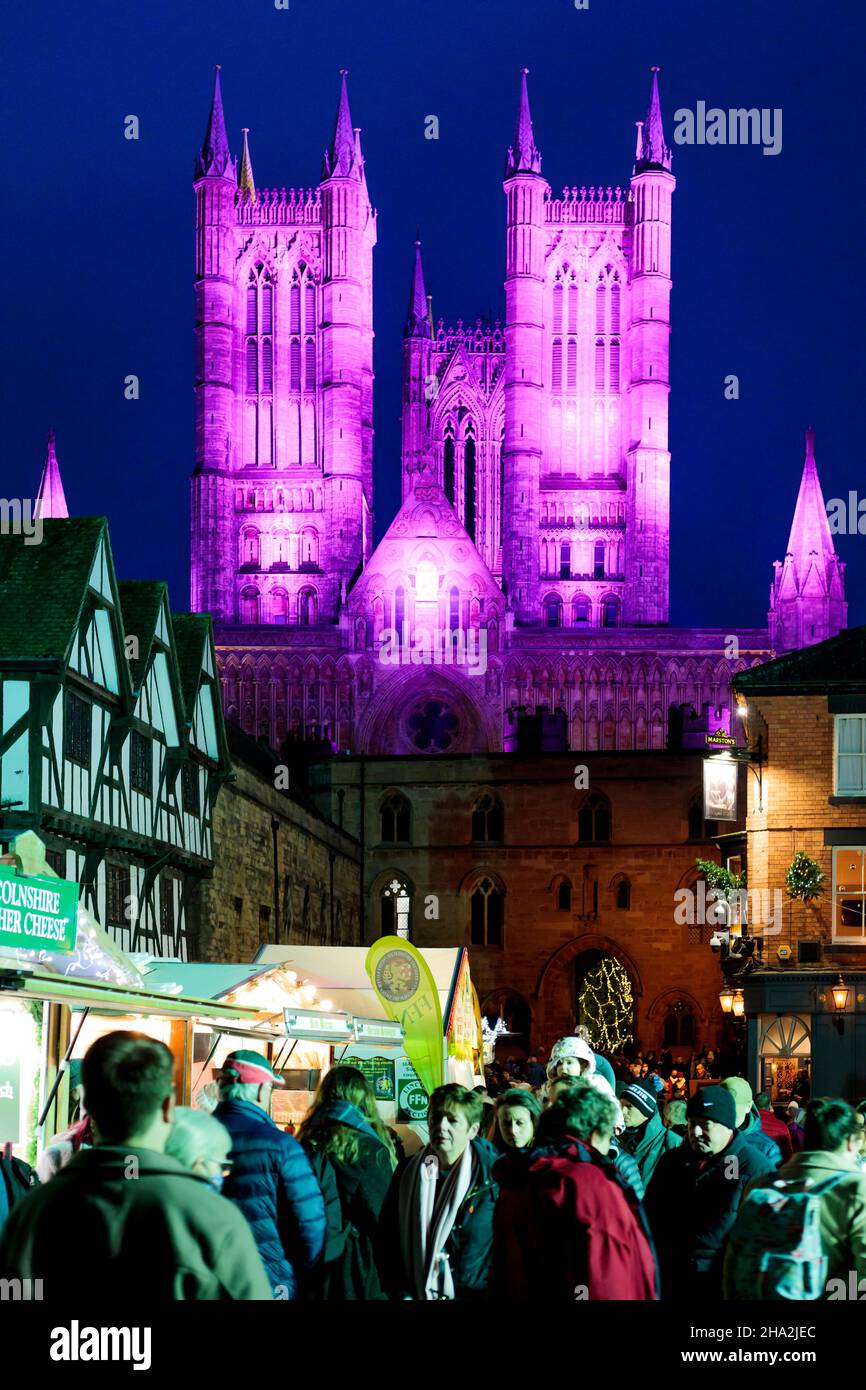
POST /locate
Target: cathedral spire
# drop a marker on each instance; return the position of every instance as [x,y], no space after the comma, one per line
[246,182]
[342,155]
[653,152]
[418,317]
[523,156]
[215,156]
[810,530]
[50,499]
[807,598]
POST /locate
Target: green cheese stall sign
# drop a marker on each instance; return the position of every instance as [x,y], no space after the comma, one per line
[37,914]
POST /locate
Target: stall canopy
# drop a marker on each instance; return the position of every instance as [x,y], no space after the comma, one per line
[338,973]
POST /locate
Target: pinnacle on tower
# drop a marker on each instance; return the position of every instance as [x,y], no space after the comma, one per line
[810,539]
[418,317]
[523,156]
[50,499]
[214,157]
[246,182]
[342,155]
[652,151]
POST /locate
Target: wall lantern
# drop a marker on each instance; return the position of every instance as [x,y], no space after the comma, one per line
[738,1004]
[841,994]
[726,999]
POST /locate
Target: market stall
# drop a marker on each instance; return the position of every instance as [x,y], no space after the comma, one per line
[378,1043]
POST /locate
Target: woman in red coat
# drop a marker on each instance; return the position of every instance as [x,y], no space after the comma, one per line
[565,1228]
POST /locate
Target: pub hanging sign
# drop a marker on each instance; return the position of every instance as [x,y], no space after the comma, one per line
[720,789]
[37,914]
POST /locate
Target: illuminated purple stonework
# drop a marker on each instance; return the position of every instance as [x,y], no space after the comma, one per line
[535,464]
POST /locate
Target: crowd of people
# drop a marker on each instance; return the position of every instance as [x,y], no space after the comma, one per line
[584,1177]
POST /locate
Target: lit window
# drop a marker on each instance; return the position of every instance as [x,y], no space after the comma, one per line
[396,909]
[849,894]
[850,755]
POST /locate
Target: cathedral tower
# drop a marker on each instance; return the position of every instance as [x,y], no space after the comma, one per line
[525,192]
[647,555]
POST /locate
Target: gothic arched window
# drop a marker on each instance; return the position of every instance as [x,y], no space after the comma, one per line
[252,308]
[307,606]
[580,611]
[267,308]
[454,609]
[571,378]
[267,366]
[395,820]
[279,606]
[488,820]
[396,905]
[309,546]
[556,367]
[252,367]
[251,548]
[598,560]
[250,601]
[594,820]
[623,895]
[557,308]
[553,611]
[310,308]
[599,308]
[599,366]
[572,307]
[310,366]
[295,366]
[610,612]
[614,309]
[614,366]
[486,914]
[295,308]
[565,560]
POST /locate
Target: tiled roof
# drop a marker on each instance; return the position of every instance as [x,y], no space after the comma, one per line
[43,587]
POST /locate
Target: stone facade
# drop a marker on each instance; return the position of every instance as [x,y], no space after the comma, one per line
[564,900]
[536,474]
[282,873]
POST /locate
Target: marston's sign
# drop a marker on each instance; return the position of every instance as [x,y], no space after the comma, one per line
[37,913]
[720,740]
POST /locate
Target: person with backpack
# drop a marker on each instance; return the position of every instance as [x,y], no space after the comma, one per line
[695,1193]
[342,1132]
[804,1227]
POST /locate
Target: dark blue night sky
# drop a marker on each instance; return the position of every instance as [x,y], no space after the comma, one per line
[767,253]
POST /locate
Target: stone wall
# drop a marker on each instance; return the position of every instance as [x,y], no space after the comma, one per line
[545,946]
[318,874]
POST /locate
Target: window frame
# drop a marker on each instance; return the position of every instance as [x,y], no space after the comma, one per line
[836,935]
[837,721]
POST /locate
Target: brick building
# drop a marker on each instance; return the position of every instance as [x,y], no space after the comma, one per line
[544,882]
[806,712]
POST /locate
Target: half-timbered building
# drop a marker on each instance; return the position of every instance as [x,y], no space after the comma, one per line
[112,743]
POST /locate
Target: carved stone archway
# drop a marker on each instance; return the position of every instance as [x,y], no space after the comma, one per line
[554,990]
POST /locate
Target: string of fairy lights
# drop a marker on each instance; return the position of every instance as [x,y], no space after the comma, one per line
[606,1005]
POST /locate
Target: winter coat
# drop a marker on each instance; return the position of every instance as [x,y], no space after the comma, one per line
[753,1132]
[348,1270]
[647,1143]
[132,1223]
[777,1130]
[842,1217]
[272,1183]
[469,1244]
[565,1222]
[627,1167]
[692,1203]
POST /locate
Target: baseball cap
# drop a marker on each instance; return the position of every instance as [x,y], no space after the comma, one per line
[248,1068]
[742,1093]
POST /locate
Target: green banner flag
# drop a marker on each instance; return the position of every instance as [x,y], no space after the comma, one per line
[407,992]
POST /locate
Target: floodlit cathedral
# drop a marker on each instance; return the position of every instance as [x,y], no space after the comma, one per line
[527,568]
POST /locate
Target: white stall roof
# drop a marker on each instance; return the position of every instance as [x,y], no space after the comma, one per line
[339,975]
[201,979]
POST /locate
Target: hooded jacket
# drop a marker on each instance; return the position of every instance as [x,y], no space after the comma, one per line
[133,1221]
[360,1187]
[647,1143]
[565,1223]
[692,1203]
[469,1244]
[272,1183]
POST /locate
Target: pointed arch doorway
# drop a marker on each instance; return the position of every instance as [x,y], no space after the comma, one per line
[604,999]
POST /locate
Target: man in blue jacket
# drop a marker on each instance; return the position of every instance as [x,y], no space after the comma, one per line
[271,1180]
